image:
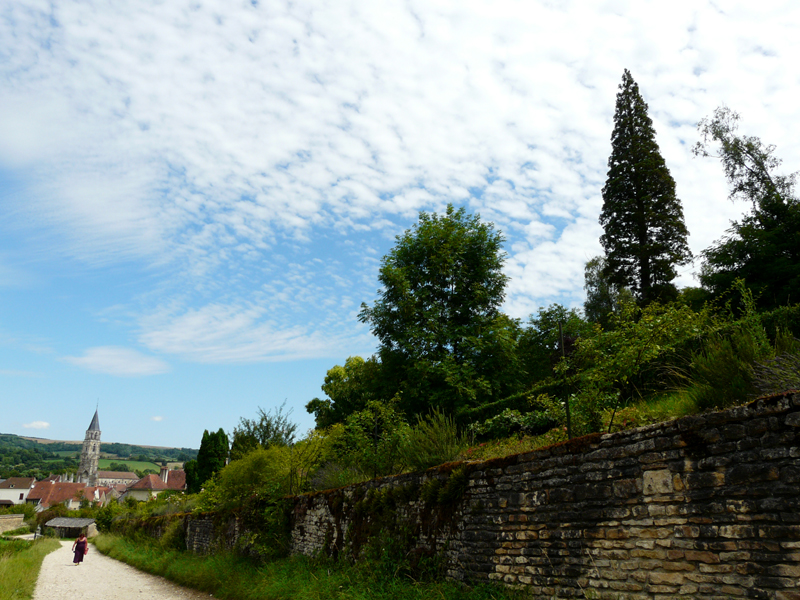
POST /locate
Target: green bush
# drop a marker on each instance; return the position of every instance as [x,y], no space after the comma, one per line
[782,372]
[434,440]
[543,414]
[174,535]
[721,374]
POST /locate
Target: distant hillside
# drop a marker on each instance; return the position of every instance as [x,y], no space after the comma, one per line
[39,457]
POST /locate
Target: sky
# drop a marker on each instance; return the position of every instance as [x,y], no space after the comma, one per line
[195,196]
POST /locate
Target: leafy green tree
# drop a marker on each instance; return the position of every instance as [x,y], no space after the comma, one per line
[764,247]
[645,234]
[539,345]
[348,389]
[603,298]
[438,316]
[271,428]
[211,458]
[632,359]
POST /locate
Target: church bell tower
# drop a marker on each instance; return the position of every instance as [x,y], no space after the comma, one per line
[90,455]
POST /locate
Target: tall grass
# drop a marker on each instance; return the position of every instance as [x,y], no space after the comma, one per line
[20,562]
[433,441]
[227,576]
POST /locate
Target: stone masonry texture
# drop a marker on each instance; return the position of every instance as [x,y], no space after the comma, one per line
[706,507]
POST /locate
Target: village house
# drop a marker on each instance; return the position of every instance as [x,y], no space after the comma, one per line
[14,490]
[150,486]
[46,494]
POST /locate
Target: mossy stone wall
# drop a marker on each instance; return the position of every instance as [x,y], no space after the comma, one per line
[707,506]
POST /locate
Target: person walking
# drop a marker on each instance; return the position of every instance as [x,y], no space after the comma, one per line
[80,548]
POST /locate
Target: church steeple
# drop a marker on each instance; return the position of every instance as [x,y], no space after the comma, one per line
[90,454]
[95,426]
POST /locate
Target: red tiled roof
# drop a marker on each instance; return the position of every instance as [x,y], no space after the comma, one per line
[49,494]
[17,483]
[149,482]
[176,479]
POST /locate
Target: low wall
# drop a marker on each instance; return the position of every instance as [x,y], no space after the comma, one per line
[11,522]
[707,506]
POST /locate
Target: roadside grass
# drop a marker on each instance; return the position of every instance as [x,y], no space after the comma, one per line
[20,562]
[227,576]
[19,531]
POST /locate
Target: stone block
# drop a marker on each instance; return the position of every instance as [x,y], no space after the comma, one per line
[666,578]
[657,482]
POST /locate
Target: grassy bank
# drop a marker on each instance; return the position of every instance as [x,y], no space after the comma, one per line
[227,576]
[20,562]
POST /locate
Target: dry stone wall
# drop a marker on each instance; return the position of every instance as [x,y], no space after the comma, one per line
[706,506]
[11,522]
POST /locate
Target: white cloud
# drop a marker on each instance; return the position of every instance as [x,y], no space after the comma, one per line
[157,419]
[221,142]
[123,362]
[238,334]
[37,425]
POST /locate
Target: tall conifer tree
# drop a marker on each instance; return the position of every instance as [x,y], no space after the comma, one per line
[645,234]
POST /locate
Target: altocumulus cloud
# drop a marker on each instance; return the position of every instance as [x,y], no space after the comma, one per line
[217,138]
[114,360]
[37,425]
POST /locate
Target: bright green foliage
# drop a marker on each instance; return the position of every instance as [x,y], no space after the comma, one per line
[271,428]
[627,358]
[434,440]
[543,414]
[371,440]
[262,473]
[348,389]
[764,247]
[645,234]
[210,459]
[20,509]
[443,340]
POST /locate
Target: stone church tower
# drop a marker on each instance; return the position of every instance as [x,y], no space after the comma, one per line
[90,455]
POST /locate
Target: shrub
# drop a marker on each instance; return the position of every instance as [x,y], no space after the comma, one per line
[546,414]
[722,371]
[434,440]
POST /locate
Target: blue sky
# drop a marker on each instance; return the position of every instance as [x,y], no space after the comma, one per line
[195,196]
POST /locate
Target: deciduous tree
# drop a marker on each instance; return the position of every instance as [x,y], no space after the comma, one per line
[271,428]
[764,247]
[442,336]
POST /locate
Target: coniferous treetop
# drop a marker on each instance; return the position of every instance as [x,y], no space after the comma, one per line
[645,234]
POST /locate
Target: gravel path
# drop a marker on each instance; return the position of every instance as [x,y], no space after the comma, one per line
[101,578]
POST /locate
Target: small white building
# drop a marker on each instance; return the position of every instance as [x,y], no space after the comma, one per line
[15,490]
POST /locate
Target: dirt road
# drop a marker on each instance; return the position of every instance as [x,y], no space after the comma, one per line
[101,578]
